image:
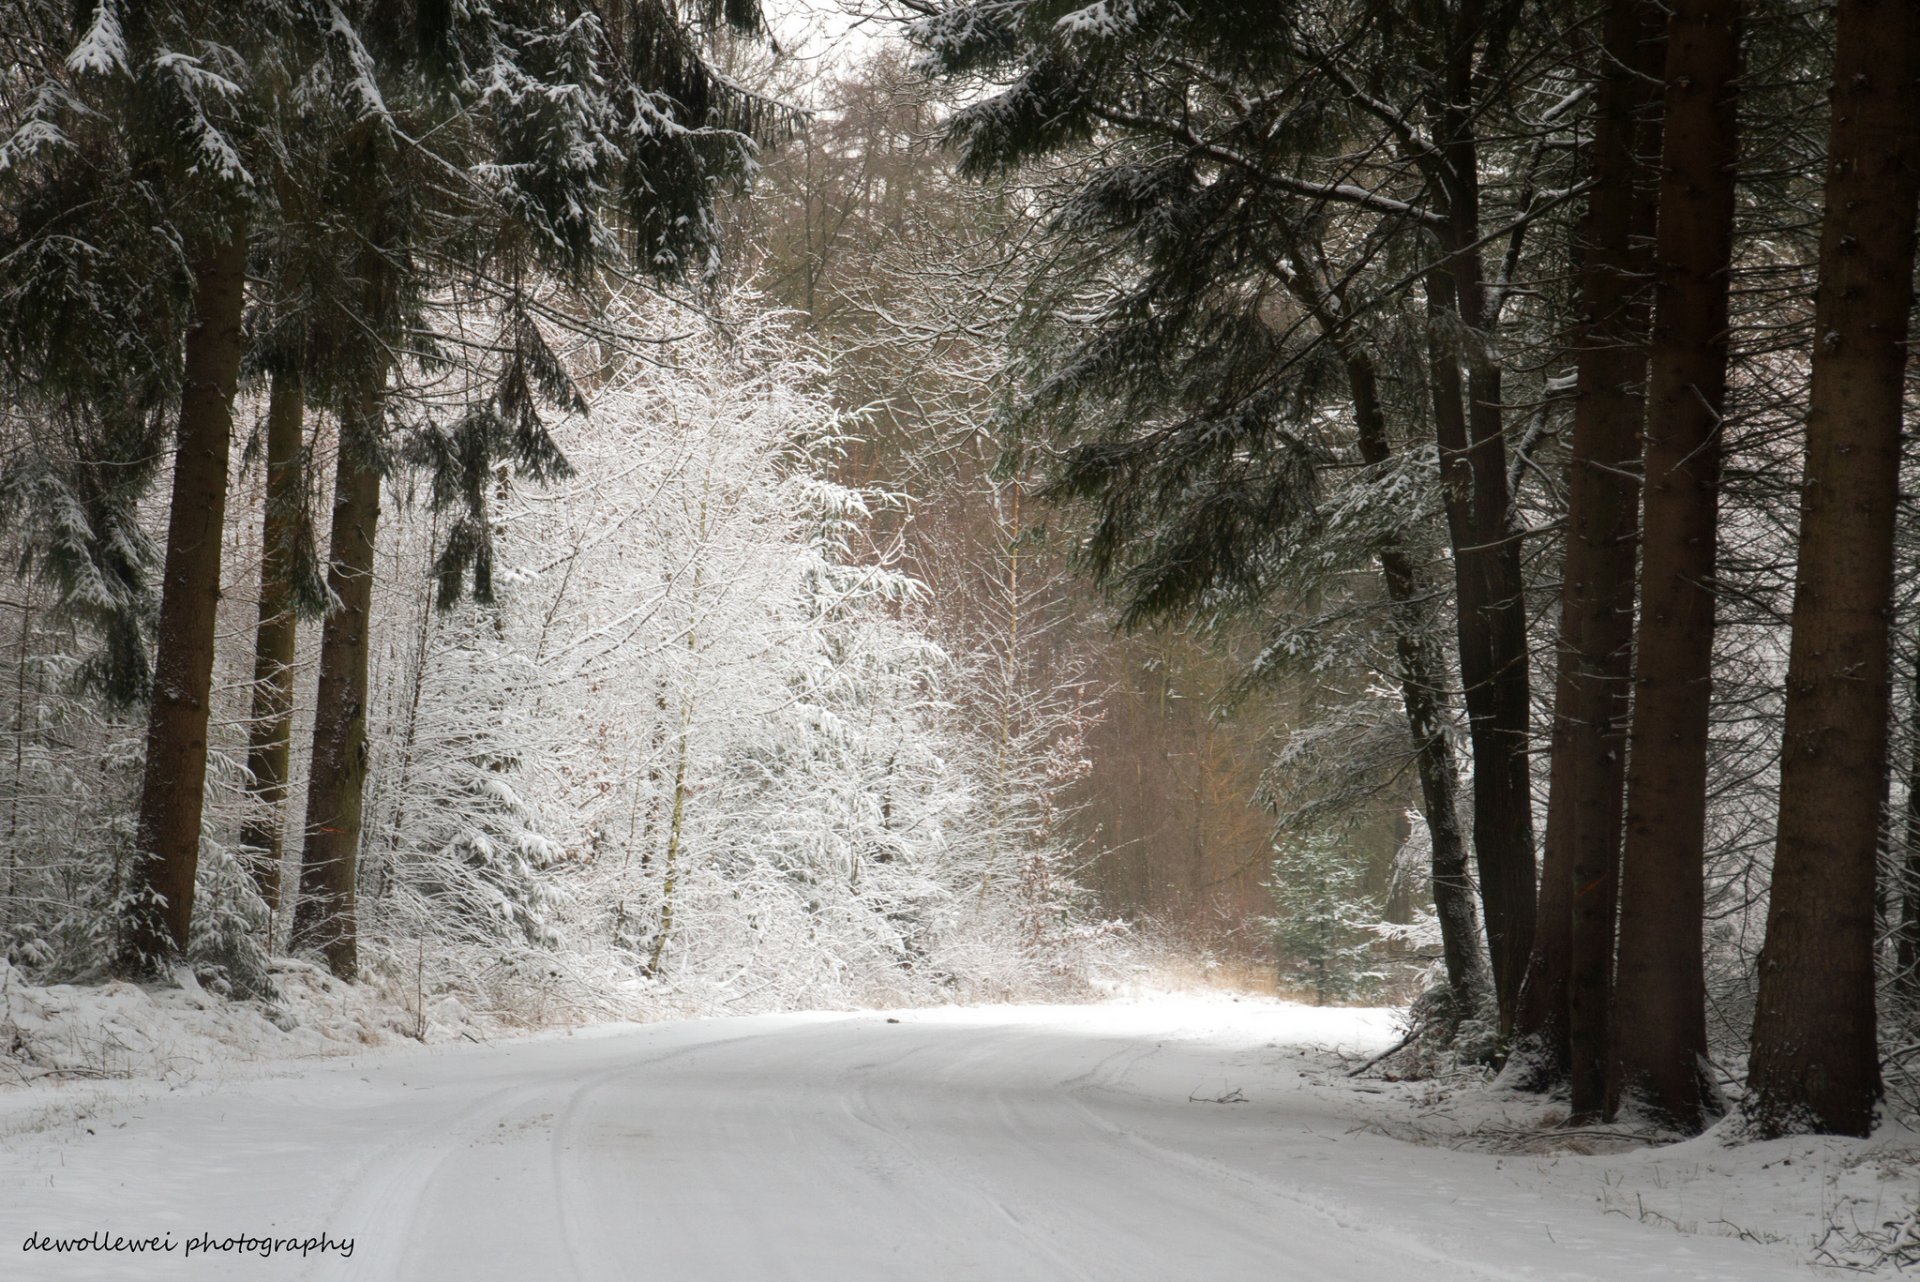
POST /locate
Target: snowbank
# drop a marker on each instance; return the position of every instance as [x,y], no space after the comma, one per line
[1827,1200]
[122,1031]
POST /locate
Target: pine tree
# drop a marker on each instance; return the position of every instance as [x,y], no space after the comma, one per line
[1463,61]
[95,301]
[298,320]
[1658,1021]
[160,94]
[1318,934]
[1179,391]
[1561,1025]
[285,552]
[1815,1063]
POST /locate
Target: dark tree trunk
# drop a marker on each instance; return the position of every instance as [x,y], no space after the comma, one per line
[329,864]
[173,787]
[1562,1028]
[1660,994]
[1906,948]
[1493,655]
[1422,673]
[1538,1057]
[1421,687]
[1815,1063]
[264,834]
[1468,422]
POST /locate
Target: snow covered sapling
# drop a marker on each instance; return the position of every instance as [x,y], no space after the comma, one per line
[1322,928]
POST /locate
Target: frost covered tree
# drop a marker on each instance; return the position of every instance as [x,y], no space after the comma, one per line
[699,746]
[585,142]
[362,156]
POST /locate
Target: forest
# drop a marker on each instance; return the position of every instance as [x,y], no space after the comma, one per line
[610,509]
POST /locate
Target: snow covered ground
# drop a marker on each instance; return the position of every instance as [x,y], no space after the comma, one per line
[1201,1138]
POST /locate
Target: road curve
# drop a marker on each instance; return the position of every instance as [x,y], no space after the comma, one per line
[1098,1144]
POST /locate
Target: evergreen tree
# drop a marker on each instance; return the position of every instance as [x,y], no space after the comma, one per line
[1560,1029]
[1816,1062]
[1320,933]
[162,100]
[285,544]
[1232,139]
[1659,1038]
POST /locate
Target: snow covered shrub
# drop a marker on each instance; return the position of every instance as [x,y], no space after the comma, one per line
[229,928]
[66,793]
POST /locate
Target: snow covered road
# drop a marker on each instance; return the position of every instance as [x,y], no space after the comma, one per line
[997,1144]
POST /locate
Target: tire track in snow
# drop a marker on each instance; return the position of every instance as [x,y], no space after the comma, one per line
[391,1196]
[1002,1145]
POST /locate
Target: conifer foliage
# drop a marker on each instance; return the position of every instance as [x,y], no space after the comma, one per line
[1233,272]
[1283,247]
[1501,406]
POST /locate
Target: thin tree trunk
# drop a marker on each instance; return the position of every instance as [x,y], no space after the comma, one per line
[402,770]
[264,834]
[11,847]
[1421,683]
[324,919]
[1906,954]
[1493,666]
[1815,1063]
[1468,421]
[670,863]
[670,871]
[173,787]
[1656,1061]
[1003,745]
[1422,677]
[1562,1027]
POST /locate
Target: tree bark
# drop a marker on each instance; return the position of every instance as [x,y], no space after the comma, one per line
[1493,657]
[329,865]
[1561,1030]
[1815,1063]
[1468,421]
[1421,683]
[263,836]
[1906,946]
[1656,1061]
[173,786]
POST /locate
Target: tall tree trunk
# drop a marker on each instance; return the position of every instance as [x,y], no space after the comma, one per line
[670,862]
[173,787]
[1657,1060]
[1815,1063]
[1493,659]
[1562,1027]
[1468,421]
[329,864]
[1422,675]
[1421,684]
[268,740]
[1906,948]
